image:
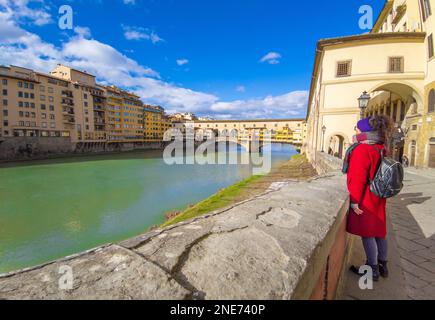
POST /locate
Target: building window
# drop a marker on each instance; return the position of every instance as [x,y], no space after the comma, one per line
[5,82]
[5,102]
[42,88]
[5,92]
[344,68]
[51,108]
[43,107]
[426,9]
[396,64]
[5,113]
[430,46]
[5,123]
[431,107]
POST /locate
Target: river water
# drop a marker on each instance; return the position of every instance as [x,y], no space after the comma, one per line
[53,208]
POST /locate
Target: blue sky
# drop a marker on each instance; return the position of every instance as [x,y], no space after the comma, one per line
[224,59]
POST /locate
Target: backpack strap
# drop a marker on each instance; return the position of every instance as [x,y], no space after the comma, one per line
[381,153]
[346,160]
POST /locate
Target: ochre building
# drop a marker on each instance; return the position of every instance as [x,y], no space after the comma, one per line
[395,64]
[68,103]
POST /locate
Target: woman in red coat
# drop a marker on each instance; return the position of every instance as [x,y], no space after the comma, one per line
[367,215]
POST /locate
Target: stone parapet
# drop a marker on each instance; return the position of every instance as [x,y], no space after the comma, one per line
[325,163]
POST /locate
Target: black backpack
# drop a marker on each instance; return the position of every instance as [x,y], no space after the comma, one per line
[388,180]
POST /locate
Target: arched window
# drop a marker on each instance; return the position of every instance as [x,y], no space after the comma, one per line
[431,107]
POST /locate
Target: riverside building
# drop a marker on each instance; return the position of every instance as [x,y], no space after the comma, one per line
[395,65]
[69,104]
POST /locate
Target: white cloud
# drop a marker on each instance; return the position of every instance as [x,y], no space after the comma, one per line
[182,62]
[271,58]
[132,2]
[241,89]
[138,33]
[284,106]
[84,32]
[23,48]
[19,11]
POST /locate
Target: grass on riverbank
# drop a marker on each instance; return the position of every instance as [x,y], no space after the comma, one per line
[297,168]
[217,201]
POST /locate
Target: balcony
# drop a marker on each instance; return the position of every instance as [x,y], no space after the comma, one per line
[67,103]
[66,111]
[67,94]
[99,109]
[69,120]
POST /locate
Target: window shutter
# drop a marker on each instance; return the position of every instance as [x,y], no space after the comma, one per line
[396,64]
[343,68]
[423,11]
[430,46]
[431,107]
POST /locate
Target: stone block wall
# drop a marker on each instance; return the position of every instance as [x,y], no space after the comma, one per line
[25,148]
[33,148]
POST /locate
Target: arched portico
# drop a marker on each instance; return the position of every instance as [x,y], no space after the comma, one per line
[336,144]
[400,101]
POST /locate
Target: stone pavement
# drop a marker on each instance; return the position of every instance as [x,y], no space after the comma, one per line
[411,241]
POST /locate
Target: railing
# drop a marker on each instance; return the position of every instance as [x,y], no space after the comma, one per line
[67,103]
[67,94]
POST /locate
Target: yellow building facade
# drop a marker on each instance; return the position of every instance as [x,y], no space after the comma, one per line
[157,123]
[394,64]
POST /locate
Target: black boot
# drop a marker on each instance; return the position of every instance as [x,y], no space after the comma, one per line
[376,275]
[375,269]
[383,269]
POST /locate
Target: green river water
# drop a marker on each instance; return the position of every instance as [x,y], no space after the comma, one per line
[53,208]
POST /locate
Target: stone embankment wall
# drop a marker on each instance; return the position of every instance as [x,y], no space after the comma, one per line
[287,243]
[29,148]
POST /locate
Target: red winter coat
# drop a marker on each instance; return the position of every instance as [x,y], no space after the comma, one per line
[364,161]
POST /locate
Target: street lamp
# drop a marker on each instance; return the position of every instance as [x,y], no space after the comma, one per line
[323,138]
[363,102]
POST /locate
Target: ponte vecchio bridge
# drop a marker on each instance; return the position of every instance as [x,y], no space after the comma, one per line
[243,132]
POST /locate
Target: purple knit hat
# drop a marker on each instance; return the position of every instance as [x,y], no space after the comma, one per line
[364,125]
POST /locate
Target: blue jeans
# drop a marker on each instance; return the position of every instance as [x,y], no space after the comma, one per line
[376,249]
